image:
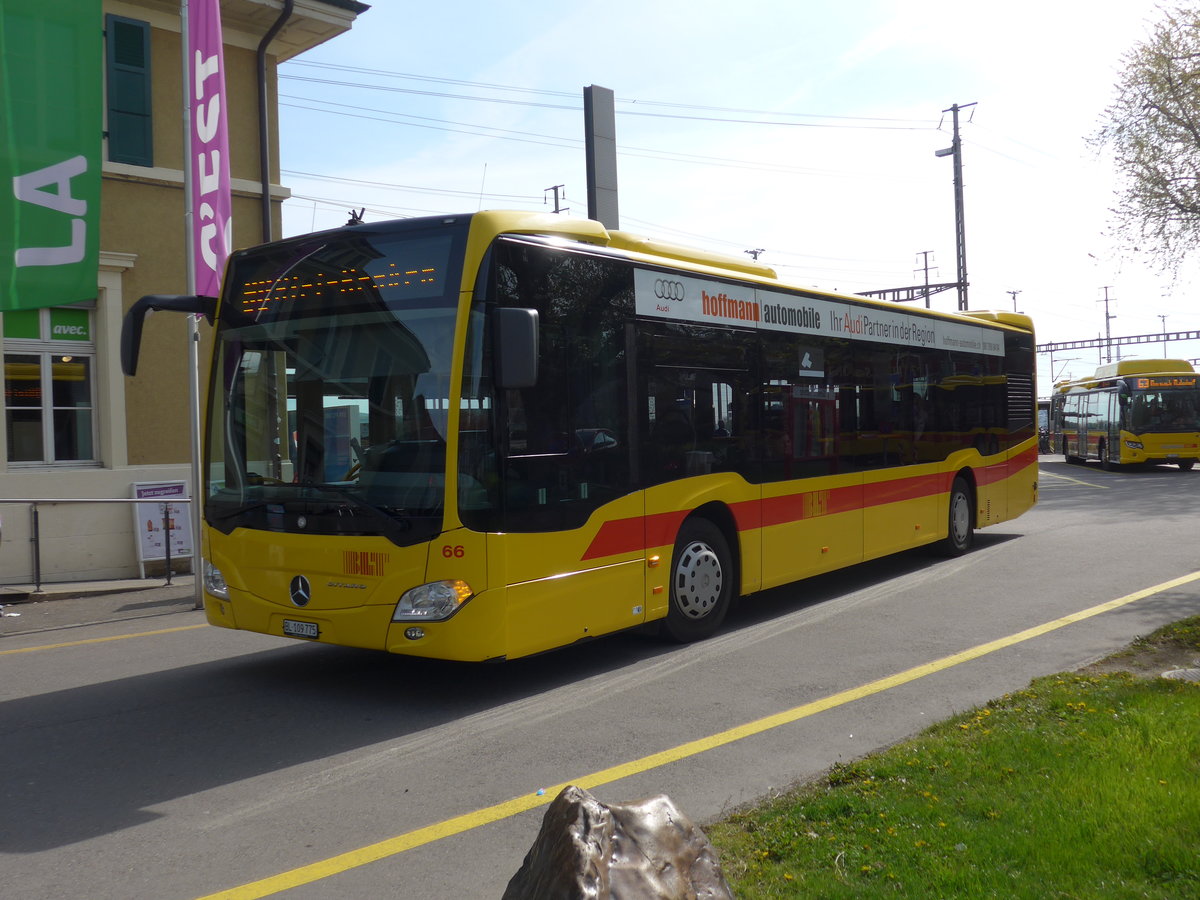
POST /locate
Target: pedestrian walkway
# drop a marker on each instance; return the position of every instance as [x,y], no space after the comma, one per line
[69,605]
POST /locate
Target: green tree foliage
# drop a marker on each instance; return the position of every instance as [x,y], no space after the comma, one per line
[1152,131]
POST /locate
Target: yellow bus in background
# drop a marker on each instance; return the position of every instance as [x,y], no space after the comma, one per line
[484,436]
[1133,411]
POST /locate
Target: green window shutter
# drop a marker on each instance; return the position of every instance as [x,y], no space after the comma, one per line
[127,42]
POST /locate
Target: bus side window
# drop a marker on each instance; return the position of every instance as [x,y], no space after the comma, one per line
[696,411]
[563,443]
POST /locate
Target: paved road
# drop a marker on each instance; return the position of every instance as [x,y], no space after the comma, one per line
[155,757]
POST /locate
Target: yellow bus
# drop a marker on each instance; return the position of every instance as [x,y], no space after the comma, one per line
[484,436]
[1136,411]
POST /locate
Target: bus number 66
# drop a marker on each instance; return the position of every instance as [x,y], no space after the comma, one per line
[457,551]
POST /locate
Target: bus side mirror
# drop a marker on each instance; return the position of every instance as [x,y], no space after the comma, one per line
[515,336]
[131,326]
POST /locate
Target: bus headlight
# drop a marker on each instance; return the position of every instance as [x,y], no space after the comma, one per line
[1135,445]
[431,602]
[214,581]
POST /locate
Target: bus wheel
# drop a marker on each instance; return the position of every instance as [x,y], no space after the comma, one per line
[1186,464]
[961,534]
[701,582]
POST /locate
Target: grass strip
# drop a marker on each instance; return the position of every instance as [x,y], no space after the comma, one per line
[1083,785]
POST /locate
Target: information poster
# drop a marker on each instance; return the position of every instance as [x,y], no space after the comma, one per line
[149,528]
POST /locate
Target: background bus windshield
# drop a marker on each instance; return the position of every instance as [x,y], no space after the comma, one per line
[1165,411]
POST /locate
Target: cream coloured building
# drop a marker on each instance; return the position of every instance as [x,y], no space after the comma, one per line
[75,427]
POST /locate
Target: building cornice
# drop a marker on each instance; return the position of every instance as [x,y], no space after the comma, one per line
[168,177]
[244,22]
[112,261]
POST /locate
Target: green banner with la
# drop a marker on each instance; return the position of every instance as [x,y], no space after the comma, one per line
[51,70]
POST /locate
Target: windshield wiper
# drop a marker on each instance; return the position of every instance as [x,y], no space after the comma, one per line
[317,499]
[237,510]
[391,514]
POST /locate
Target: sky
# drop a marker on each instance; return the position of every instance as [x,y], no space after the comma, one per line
[804,129]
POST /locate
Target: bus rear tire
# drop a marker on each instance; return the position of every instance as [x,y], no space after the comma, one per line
[960,534]
[702,575]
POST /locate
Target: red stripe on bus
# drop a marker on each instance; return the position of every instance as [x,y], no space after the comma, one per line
[634,534]
[914,488]
[637,533]
[992,474]
[662,528]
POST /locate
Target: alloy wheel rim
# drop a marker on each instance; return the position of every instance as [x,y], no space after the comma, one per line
[960,518]
[698,580]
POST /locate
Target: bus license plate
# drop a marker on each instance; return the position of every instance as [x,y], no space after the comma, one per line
[292,628]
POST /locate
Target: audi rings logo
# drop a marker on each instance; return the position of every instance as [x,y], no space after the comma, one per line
[668,290]
[300,590]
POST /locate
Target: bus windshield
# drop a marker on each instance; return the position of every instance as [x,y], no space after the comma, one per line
[329,397]
[1165,411]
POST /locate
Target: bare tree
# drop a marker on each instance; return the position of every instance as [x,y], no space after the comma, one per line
[1152,130]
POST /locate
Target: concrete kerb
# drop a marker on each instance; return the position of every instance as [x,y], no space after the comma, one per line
[67,605]
[20,593]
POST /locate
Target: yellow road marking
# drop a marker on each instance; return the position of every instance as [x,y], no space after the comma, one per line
[101,640]
[459,824]
[1044,474]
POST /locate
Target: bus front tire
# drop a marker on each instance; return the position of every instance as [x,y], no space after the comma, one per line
[702,577]
[960,534]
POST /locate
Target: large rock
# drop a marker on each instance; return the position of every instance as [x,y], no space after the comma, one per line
[645,850]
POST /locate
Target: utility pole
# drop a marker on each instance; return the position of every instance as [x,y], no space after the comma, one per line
[925,269]
[754,253]
[1107,324]
[1163,317]
[955,150]
[556,188]
[1014,296]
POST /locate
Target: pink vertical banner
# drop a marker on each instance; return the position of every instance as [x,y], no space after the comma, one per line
[211,202]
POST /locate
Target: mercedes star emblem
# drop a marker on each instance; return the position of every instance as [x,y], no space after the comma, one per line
[300,591]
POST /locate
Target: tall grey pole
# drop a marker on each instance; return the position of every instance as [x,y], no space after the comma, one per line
[600,147]
[960,225]
[194,510]
[1108,324]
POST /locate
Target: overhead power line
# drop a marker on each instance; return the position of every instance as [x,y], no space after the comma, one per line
[440,124]
[310,104]
[526,198]
[441,94]
[633,107]
[576,104]
[844,124]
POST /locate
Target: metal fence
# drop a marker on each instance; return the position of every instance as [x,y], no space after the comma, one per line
[35,528]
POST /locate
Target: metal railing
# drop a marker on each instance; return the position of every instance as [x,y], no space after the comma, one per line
[35,527]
